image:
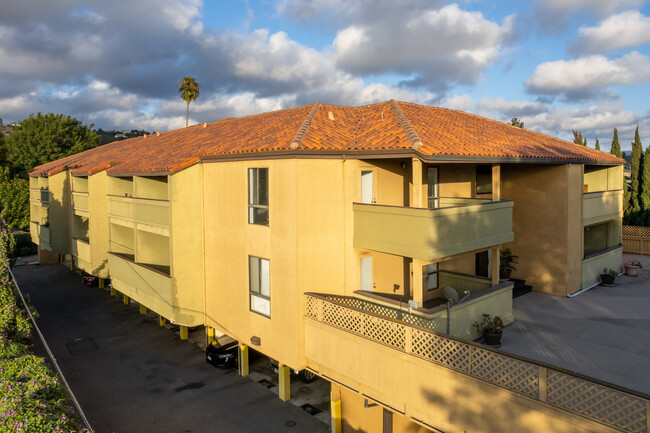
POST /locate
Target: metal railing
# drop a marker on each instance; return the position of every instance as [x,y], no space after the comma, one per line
[598,401]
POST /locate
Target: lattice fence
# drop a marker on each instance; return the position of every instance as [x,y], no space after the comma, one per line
[569,392]
[636,239]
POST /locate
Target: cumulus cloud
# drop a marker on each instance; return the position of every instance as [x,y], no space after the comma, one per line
[554,15]
[584,77]
[624,30]
[510,109]
[435,48]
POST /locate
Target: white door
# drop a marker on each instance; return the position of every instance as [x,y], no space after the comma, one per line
[366,186]
[366,274]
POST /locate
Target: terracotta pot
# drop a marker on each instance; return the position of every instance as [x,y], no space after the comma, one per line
[631,270]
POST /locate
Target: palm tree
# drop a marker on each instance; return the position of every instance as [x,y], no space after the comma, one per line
[189,89]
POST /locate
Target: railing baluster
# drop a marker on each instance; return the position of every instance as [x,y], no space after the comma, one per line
[543,383]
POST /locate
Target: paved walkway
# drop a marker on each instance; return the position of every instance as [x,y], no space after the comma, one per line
[130,375]
[602,333]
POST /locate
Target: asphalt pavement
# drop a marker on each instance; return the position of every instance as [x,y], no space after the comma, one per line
[131,375]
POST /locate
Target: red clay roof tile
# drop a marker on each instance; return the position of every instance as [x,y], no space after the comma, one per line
[382,126]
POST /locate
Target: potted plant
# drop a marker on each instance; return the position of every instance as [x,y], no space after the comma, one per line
[507,263]
[608,276]
[632,268]
[491,328]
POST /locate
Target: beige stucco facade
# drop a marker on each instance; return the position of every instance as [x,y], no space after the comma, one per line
[181,245]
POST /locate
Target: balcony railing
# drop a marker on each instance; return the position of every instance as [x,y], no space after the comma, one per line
[601,206]
[80,202]
[139,210]
[38,195]
[81,250]
[429,234]
[558,388]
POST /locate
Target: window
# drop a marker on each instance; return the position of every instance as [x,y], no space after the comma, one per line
[258,196]
[432,188]
[483,179]
[260,285]
[595,239]
[431,276]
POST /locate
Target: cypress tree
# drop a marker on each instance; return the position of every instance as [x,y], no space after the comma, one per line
[636,173]
[645,186]
[616,147]
[597,144]
[584,143]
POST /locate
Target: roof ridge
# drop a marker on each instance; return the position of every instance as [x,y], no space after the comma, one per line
[413,136]
[302,131]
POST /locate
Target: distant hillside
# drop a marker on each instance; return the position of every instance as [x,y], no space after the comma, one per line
[5,129]
[109,136]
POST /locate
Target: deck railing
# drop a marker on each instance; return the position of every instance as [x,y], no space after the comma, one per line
[590,398]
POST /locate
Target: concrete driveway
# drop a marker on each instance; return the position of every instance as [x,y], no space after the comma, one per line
[130,375]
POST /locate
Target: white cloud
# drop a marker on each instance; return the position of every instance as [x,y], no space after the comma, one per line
[582,78]
[510,109]
[434,47]
[553,15]
[624,30]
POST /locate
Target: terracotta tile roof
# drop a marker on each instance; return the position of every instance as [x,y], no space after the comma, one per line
[432,131]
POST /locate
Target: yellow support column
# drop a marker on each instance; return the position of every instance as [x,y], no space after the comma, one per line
[284,379]
[335,406]
[243,360]
[416,181]
[417,290]
[185,332]
[209,332]
[102,283]
[161,321]
[72,268]
[126,299]
[113,291]
[143,309]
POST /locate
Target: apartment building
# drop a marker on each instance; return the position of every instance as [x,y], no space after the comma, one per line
[328,238]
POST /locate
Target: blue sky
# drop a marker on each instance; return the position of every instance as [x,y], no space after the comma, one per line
[556,64]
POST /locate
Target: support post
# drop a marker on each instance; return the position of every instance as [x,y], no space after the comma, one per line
[185,332]
[161,321]
[102,283]
[496,182]
[143,309]
[209,331]
[416,283]
[543,384]
[416,181]
[243,360]
[113,291]
[335,406]
[72,268]
[284,379]
[126,299]
[496,264]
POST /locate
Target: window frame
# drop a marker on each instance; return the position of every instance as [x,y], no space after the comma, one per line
[254,204]
[483,172]
[257,291]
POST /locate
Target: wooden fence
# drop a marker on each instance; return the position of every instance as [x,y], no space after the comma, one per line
[636,239]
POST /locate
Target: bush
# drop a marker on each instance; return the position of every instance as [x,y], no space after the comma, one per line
[23,245]
[32,398]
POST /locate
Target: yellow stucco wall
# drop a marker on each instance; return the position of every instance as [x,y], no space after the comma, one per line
[98,227]
[59,212]
[540,218]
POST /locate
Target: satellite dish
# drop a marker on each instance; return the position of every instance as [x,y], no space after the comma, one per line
[451,295]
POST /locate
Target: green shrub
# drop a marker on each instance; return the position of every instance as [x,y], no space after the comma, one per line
[32,398]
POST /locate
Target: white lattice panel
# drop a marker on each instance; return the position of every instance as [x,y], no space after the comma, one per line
[443,351]
[597,402]
[505,371]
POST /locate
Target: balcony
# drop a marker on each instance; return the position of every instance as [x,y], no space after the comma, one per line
[430,234]
[146,214]
[39,196]
[593,265]
[428,376]
[40,235]
[601,206]
[81,250]
[80,203]
[143,283]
